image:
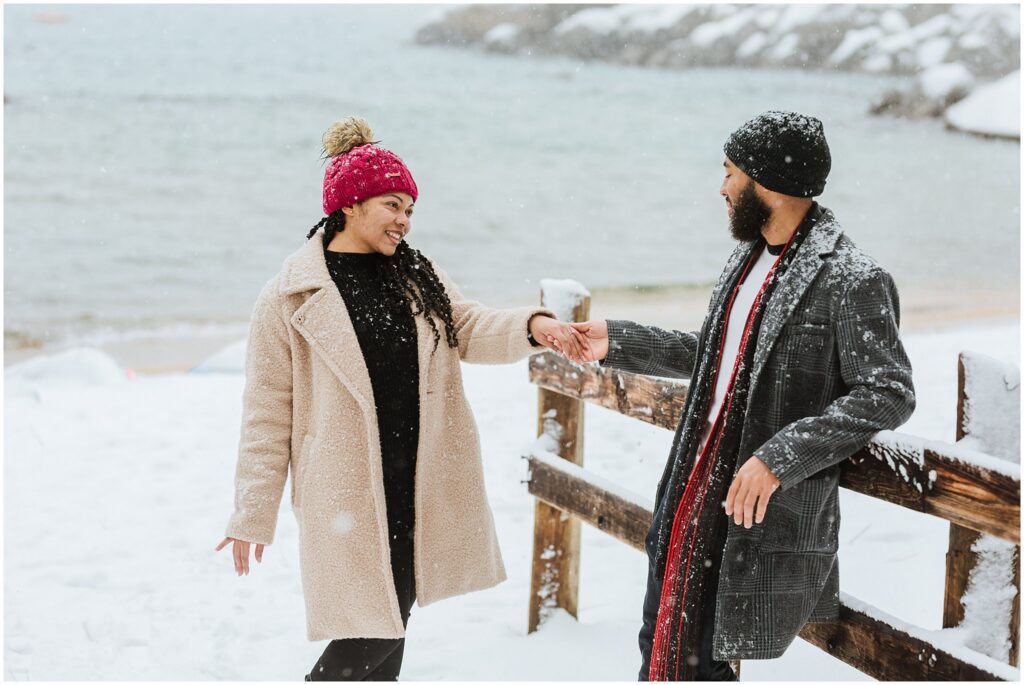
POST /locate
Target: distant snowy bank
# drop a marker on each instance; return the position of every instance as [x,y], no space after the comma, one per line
[950,49]
[992,110]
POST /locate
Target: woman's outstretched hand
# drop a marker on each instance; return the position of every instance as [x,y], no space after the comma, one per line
[558,336]
[241,554]
[595,337]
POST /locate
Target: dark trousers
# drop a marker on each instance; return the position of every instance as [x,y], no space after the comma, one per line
[360,659]
[375,658]
[708,668]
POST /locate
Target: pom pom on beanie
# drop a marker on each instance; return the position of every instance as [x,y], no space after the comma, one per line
[346,134]
[359,169]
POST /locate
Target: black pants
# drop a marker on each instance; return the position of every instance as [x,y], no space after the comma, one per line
[708,668]
[360,659]
[375,658]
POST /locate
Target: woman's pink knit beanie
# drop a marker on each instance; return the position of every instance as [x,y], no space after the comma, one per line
[358,169]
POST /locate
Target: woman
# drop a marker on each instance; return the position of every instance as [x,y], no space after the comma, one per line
[353,382]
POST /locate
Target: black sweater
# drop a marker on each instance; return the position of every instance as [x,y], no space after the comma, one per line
[387,338]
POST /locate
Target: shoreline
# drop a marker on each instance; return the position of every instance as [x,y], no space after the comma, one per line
[671,306]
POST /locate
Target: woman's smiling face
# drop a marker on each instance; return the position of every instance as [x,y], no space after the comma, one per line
[380,223]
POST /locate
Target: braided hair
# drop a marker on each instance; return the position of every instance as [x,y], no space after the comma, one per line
[408,277]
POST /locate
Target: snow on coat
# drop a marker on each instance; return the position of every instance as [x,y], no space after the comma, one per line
[829,372]
[308,409]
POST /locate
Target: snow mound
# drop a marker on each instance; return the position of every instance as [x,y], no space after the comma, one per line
[74,366]
[941,80]
[229,360]
[561,295]
[993,109]
[601,20]
[502,33]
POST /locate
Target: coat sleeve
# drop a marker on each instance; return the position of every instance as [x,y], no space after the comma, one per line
[650,350]
[265,444]
[487,335]
[877,373]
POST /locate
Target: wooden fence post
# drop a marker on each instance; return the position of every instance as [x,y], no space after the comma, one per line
[554,580]
[960,559]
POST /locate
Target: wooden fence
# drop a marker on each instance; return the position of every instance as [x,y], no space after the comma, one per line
[978,495]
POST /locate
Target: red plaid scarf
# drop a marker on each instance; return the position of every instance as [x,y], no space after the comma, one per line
[690,556]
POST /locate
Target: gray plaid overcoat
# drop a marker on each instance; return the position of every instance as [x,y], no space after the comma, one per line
[829,372]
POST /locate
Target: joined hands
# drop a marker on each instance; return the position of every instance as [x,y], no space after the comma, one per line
[588,341]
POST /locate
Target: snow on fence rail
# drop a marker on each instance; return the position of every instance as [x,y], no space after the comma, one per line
[977,492]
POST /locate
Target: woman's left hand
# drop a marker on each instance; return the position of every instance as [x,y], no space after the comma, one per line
[560,337]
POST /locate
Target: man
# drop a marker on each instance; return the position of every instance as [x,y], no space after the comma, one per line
[797,365]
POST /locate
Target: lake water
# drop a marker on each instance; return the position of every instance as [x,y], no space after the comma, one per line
[162,161]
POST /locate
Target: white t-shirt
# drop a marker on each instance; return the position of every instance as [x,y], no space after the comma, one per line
[735,326]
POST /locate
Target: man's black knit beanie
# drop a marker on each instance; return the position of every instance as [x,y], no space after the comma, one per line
[784,151]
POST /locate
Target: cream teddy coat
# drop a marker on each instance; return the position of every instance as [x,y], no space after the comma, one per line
[308,407]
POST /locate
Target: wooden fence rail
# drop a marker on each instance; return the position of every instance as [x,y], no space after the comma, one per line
[977,493]
[931,476]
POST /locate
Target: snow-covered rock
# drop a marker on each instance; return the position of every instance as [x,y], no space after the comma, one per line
[602,20]
[932,92]
[470,25]
[502,36]
[904,39]
[231,359]
[992,110]
[942,79]
[947,46]
[75,366]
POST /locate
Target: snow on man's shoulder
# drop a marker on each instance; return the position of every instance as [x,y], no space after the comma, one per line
[849,266]
[852,259]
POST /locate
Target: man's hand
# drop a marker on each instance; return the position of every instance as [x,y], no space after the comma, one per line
[240,553]
[754,483]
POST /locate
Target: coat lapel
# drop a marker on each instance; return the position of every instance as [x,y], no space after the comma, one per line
[820,242]
[323,319]
[324,322]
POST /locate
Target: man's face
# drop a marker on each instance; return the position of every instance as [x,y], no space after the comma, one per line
[748,213]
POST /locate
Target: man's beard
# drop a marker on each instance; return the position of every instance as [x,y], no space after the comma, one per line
[749,215]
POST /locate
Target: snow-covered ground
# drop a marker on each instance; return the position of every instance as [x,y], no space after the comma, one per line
[117,490]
